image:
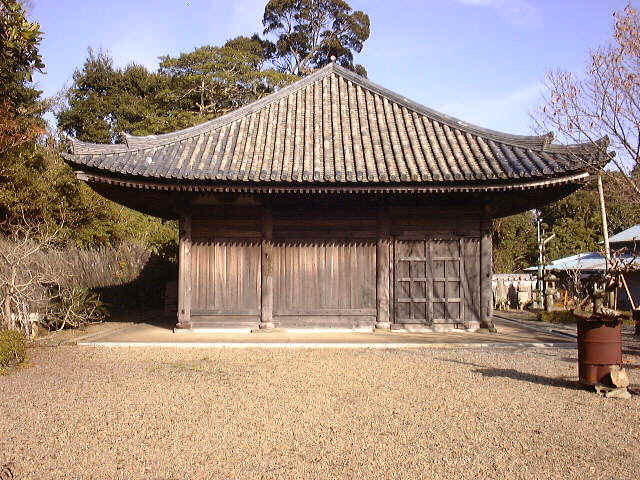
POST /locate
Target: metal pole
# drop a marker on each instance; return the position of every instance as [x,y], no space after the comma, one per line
[539,300]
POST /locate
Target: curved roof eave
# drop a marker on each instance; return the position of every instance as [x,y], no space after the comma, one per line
[146,184]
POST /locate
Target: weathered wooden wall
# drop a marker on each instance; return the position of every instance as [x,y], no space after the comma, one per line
[226,267]
[324,266]
[325,278]
[184,272]
[330,265]
[225,277]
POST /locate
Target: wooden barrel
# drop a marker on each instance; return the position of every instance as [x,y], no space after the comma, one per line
[599,347]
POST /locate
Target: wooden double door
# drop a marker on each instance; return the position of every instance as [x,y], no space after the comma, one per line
[435,281]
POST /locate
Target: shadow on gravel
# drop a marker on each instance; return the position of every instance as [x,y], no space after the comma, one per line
[562,382]
[529,377]
[628,366]
[485,371]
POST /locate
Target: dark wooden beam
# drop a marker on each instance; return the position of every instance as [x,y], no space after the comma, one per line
[383,278]
[266,284]
[184,272]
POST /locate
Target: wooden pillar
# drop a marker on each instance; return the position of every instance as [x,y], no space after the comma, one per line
[486,275]
[184,272]
[382,270]
[266,283]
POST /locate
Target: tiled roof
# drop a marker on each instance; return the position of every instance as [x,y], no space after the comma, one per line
[591,261]
[629,235]
[330,127]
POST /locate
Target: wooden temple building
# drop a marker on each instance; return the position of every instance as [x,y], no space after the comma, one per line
[334,203]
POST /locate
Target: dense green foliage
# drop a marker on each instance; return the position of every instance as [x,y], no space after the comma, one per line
[12,348]
[561,317]
[309,32]
[19,55]
[105,101]
[216,80]
[36,183]
[514,243]
[19,39]
[20,108]
[575,220]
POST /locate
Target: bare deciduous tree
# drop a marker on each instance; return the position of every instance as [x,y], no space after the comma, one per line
[26,275]
[41,283]
[604,101]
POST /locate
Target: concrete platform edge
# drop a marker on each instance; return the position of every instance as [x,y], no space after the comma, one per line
[336,345]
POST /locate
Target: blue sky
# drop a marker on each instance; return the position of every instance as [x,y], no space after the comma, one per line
[480,60]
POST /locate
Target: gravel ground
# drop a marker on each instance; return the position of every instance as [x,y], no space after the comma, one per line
[94,413]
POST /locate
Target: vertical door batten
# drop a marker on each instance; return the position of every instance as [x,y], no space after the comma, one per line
[382,270]
[184,272]
[266,268]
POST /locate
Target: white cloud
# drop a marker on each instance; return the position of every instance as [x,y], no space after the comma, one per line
[518,12]
[508,113]
[135,50]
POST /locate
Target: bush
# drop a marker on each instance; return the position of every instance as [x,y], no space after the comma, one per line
[567,317]
[561,316]
[74,307]
[12,348]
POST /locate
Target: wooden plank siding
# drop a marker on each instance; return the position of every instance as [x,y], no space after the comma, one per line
[383,271]
[486,274]
[226,277]
[184,271]
[325,278]
[226,268]
[266,292]
[323,266]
